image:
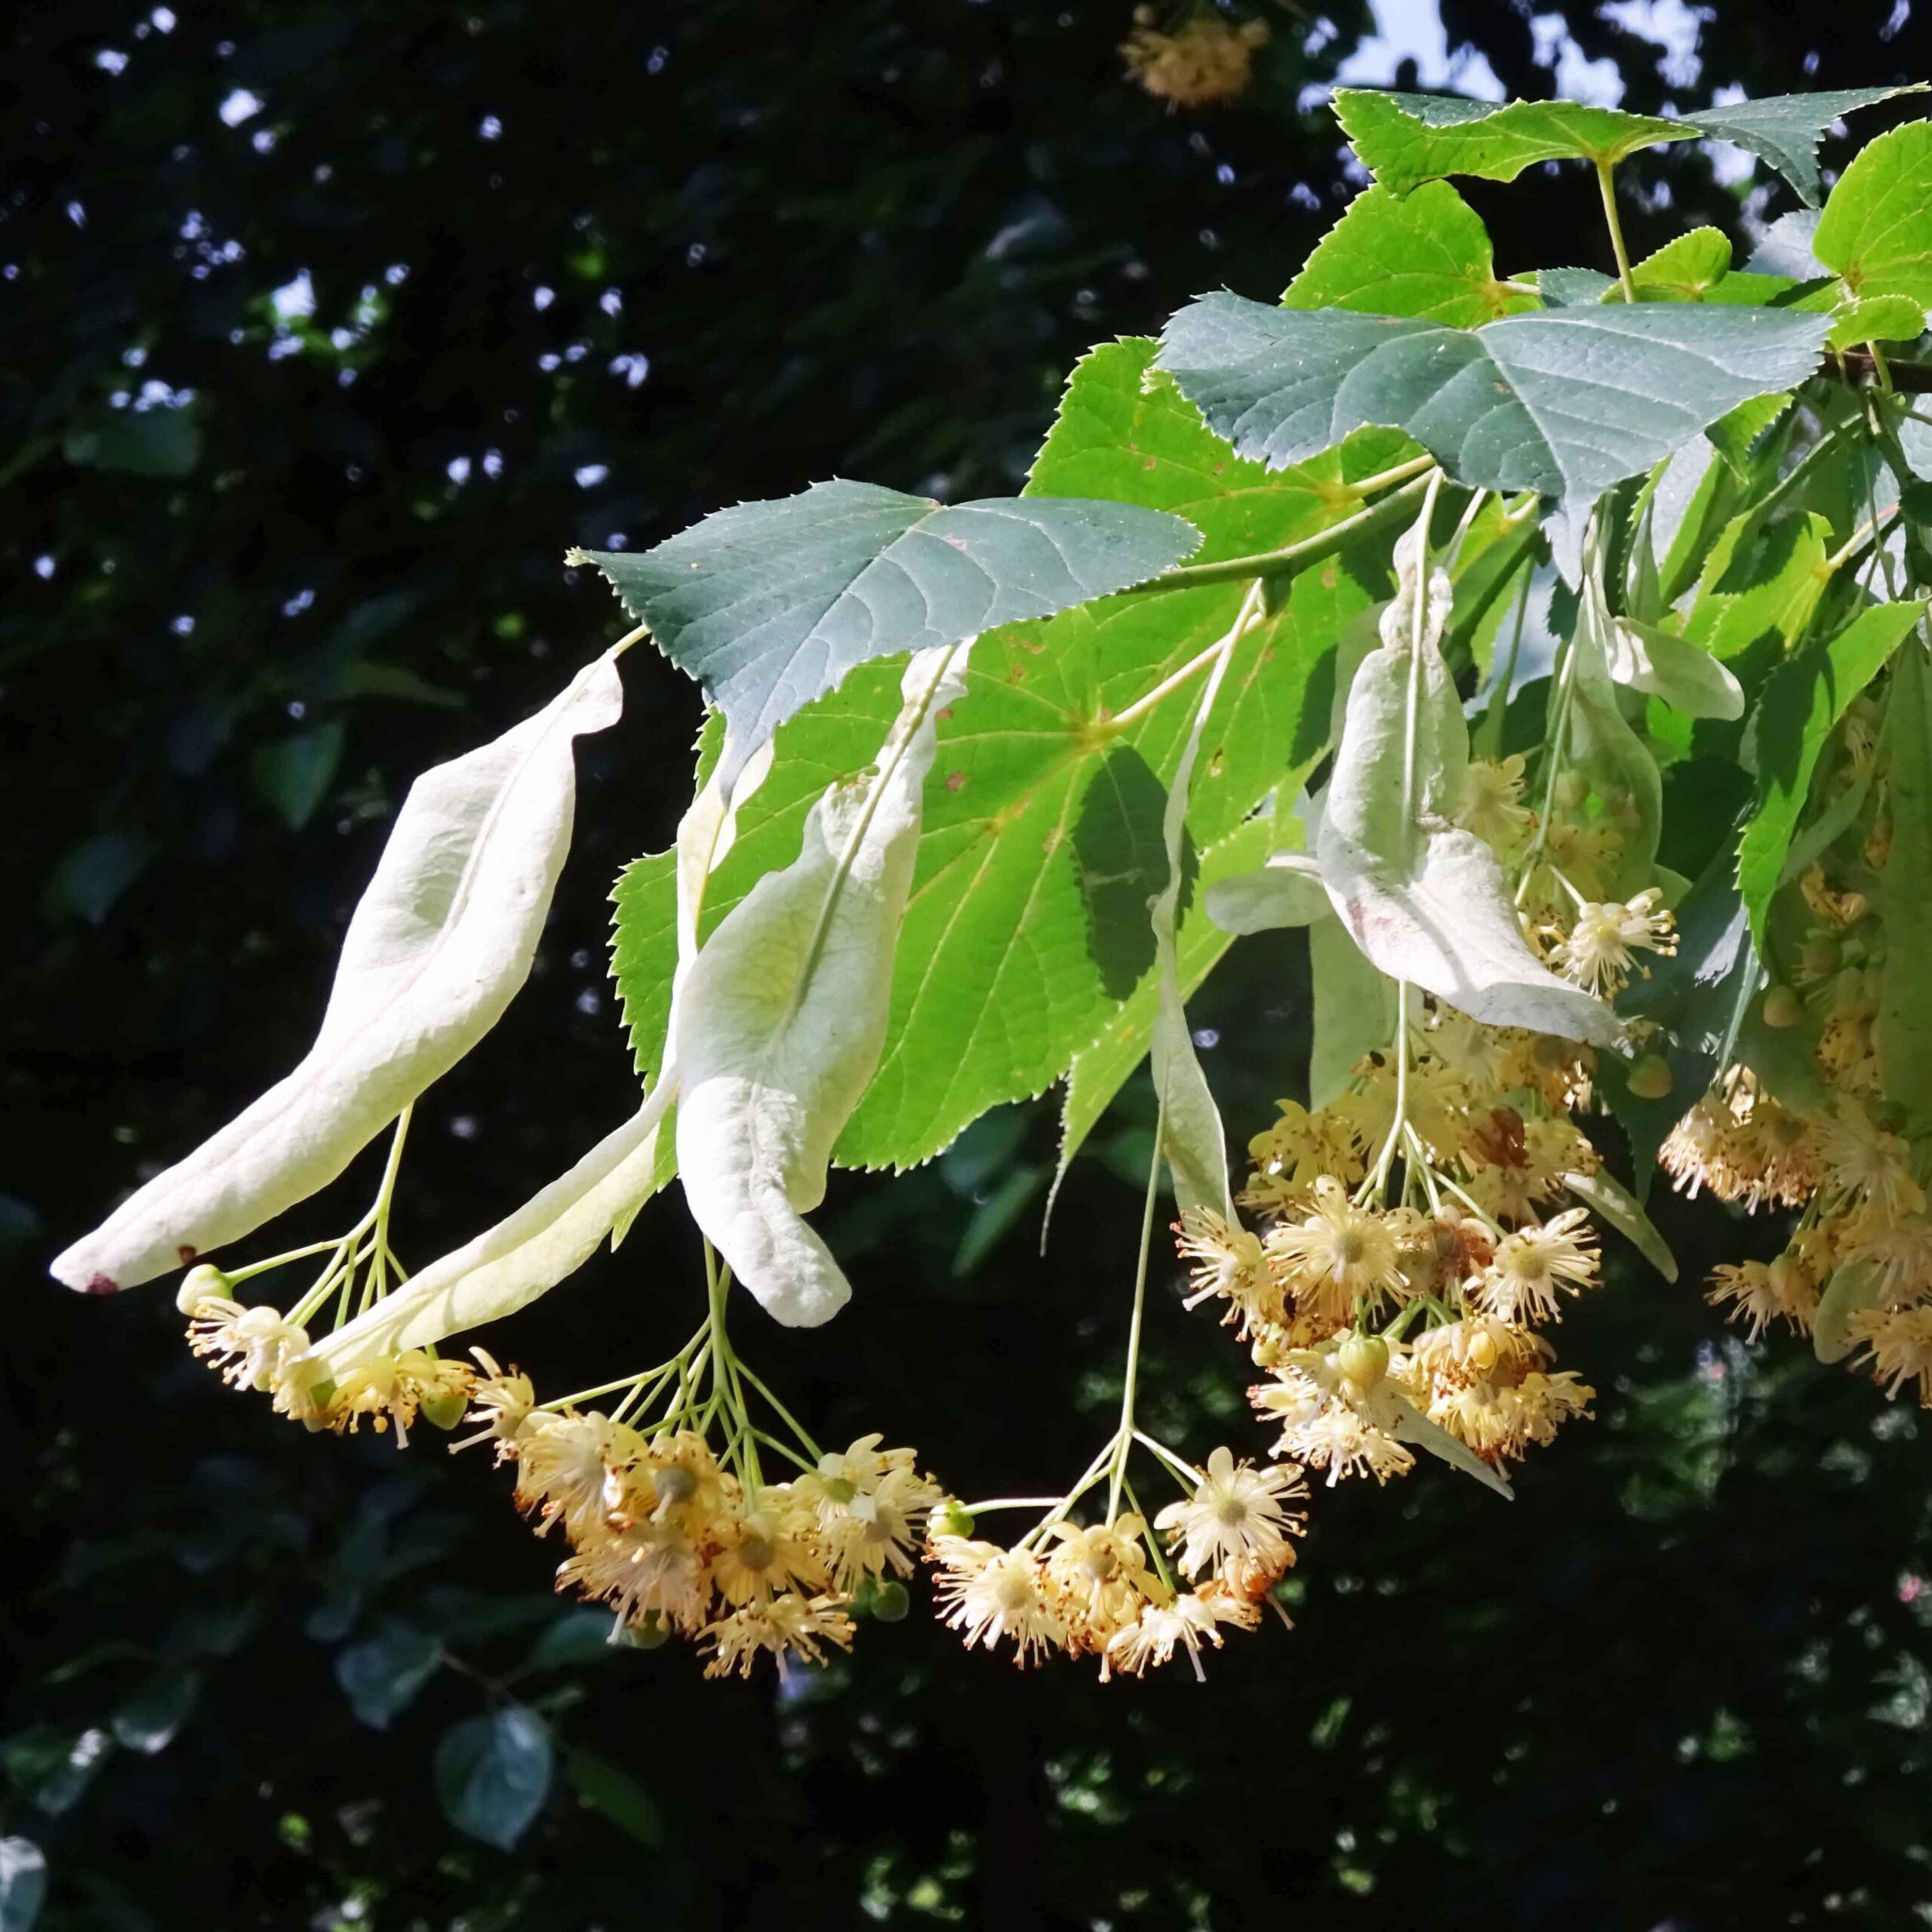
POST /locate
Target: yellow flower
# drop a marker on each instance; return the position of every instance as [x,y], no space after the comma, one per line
[768,1550]
[501,1400]
[1535,1265]
[1605,939]
[1096,1577]
[642,1570]
[1762,1292]
[1161,1629]
[1339,1254]
[1492,805]
[564,1466]
[1230,1263]
[988,1593]
[253,1347]
[787,1627]
[1236,1517]
[1862,1158]
[1898,1345]
[1204,61]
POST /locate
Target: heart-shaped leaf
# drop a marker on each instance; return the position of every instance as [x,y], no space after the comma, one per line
[493,1774]
[1566,402]
[768,605]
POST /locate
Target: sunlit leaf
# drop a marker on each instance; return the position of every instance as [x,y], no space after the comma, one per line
[1566,402]
[1876,231]
[769,605]
[1784,129]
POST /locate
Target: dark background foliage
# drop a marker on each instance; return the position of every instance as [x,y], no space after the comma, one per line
[549,274]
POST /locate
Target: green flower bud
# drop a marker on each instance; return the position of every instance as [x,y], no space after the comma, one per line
[650,1632]
[950,1519]
[891,1602]
[446,1411]
[205,1283]
[1363,1360]
[1572,788]
[1782,1008]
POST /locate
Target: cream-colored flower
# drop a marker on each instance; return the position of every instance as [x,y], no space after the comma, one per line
[1898,1346]
[1862,1158]
[1605,939]
[1759,1293]
[564,1464]
[1492,802]
[1096,1577]
[1236,1516]
[987,1593]
[769,1550]
[1337,1255]
[501,1400]
[788,1628]
[1229,1264]
[251,1346]
[1535,1266]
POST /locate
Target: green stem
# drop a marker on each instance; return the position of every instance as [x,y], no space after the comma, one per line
[1293,556]
[1606,187]
[1123,1436]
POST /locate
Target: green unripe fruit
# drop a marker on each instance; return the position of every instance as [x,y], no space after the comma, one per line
[890,1602]
[650,1632]
[205,1283]
[950,1519]
[1782,1008]
[1650,1078]
[1363,1360]
[446,1411]
[839,1489]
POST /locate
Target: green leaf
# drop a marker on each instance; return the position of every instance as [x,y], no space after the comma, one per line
[294,776]
[1761,587]
[1405,139]
[1800,705]
[1784,129]
[22,1884]
[995,1217]
[1426,255]
[1101,1070]
[493,1774]
[1567,402]
[1877,318]
[381,1676]
[769,605]
[1610,1200]
[1686,269]
[1286,890]
[1027,927]
[1852,1289]
[1903,1030]
[138,442]
[149,1721]
[1876,231]
[607,1788]
[581,1635]
[643,952]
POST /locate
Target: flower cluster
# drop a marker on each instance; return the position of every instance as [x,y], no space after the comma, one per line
[1204,60]
[675,1543]
[1381,1325]
[1856,1274]
[260,1348]
[1105,1590]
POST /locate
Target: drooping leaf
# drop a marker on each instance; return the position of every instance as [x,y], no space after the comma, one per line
[1426,900]
[22,1884]
[1875,233]
[439,944]
[381,1676]
[1784,129]
[1903,1032]
[1405,139]
[783,1016]
[1800,705]
[1648,658]
[1567,402]
[768,605]
[1426,255]
[493,1774]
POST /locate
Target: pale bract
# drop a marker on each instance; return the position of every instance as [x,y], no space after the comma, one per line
[439,945]
[1426,900]
[782,1019]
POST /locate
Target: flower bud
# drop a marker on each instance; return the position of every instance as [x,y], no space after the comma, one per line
[650,1632]
[1782,1008]
[1363,1360]
[1572,788]
[205,1283]
[445,1411]
[1650,1078]
[950,1519]
[891,1602]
